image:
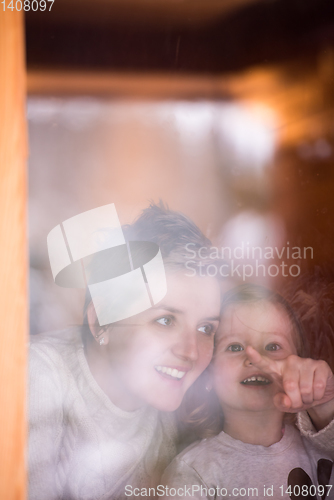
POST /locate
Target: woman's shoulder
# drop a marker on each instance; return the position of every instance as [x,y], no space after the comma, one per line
[54,343]
[65,336]
[50,353]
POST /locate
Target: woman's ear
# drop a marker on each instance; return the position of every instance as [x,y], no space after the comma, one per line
[99,333]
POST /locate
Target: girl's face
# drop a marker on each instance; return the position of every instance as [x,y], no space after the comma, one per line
[156,355]
[265,327]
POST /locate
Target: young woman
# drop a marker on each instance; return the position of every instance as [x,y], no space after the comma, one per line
[95,424]
[100,412]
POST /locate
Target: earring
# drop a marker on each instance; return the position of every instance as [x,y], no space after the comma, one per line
[99,334]
[102,341]
[208,387]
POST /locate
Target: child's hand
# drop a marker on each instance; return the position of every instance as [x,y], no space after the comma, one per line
[307,384]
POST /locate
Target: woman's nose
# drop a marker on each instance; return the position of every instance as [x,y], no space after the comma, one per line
[187,346]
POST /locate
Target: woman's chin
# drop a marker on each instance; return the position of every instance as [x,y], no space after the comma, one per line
[168,405]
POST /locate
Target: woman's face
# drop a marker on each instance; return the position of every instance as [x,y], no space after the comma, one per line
[155,356]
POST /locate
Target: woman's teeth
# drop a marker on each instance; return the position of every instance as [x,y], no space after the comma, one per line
[173,372]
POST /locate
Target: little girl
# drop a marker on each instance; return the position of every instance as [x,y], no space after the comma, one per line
[256,455]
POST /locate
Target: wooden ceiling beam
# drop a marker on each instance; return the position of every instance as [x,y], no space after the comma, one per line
[125,85]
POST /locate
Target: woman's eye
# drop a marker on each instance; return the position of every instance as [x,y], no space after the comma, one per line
[207,329]
[165,321]
[273,347]
[235,348]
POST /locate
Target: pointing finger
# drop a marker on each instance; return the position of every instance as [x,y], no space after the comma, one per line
[266,365]
[283,402]
[291,384]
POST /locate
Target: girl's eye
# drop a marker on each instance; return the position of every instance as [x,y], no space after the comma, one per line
[165,321]
[273,347]
[207,329]
[235,348]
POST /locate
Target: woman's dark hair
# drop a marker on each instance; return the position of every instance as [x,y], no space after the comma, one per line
[171,231]
[200,412]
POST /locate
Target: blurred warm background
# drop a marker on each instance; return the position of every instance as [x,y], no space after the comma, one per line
[224,109]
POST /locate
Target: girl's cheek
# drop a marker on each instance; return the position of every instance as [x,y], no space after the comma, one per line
[218,368]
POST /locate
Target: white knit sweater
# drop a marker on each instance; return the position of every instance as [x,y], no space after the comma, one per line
[81,446]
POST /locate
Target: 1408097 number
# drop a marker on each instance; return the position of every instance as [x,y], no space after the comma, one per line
[306,491]
[27,5]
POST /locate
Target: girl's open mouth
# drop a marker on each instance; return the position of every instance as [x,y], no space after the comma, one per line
[256,380]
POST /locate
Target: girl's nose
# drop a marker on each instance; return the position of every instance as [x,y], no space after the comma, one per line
[253,355]
[247,361]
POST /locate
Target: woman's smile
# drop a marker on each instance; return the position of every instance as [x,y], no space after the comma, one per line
[171,373]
